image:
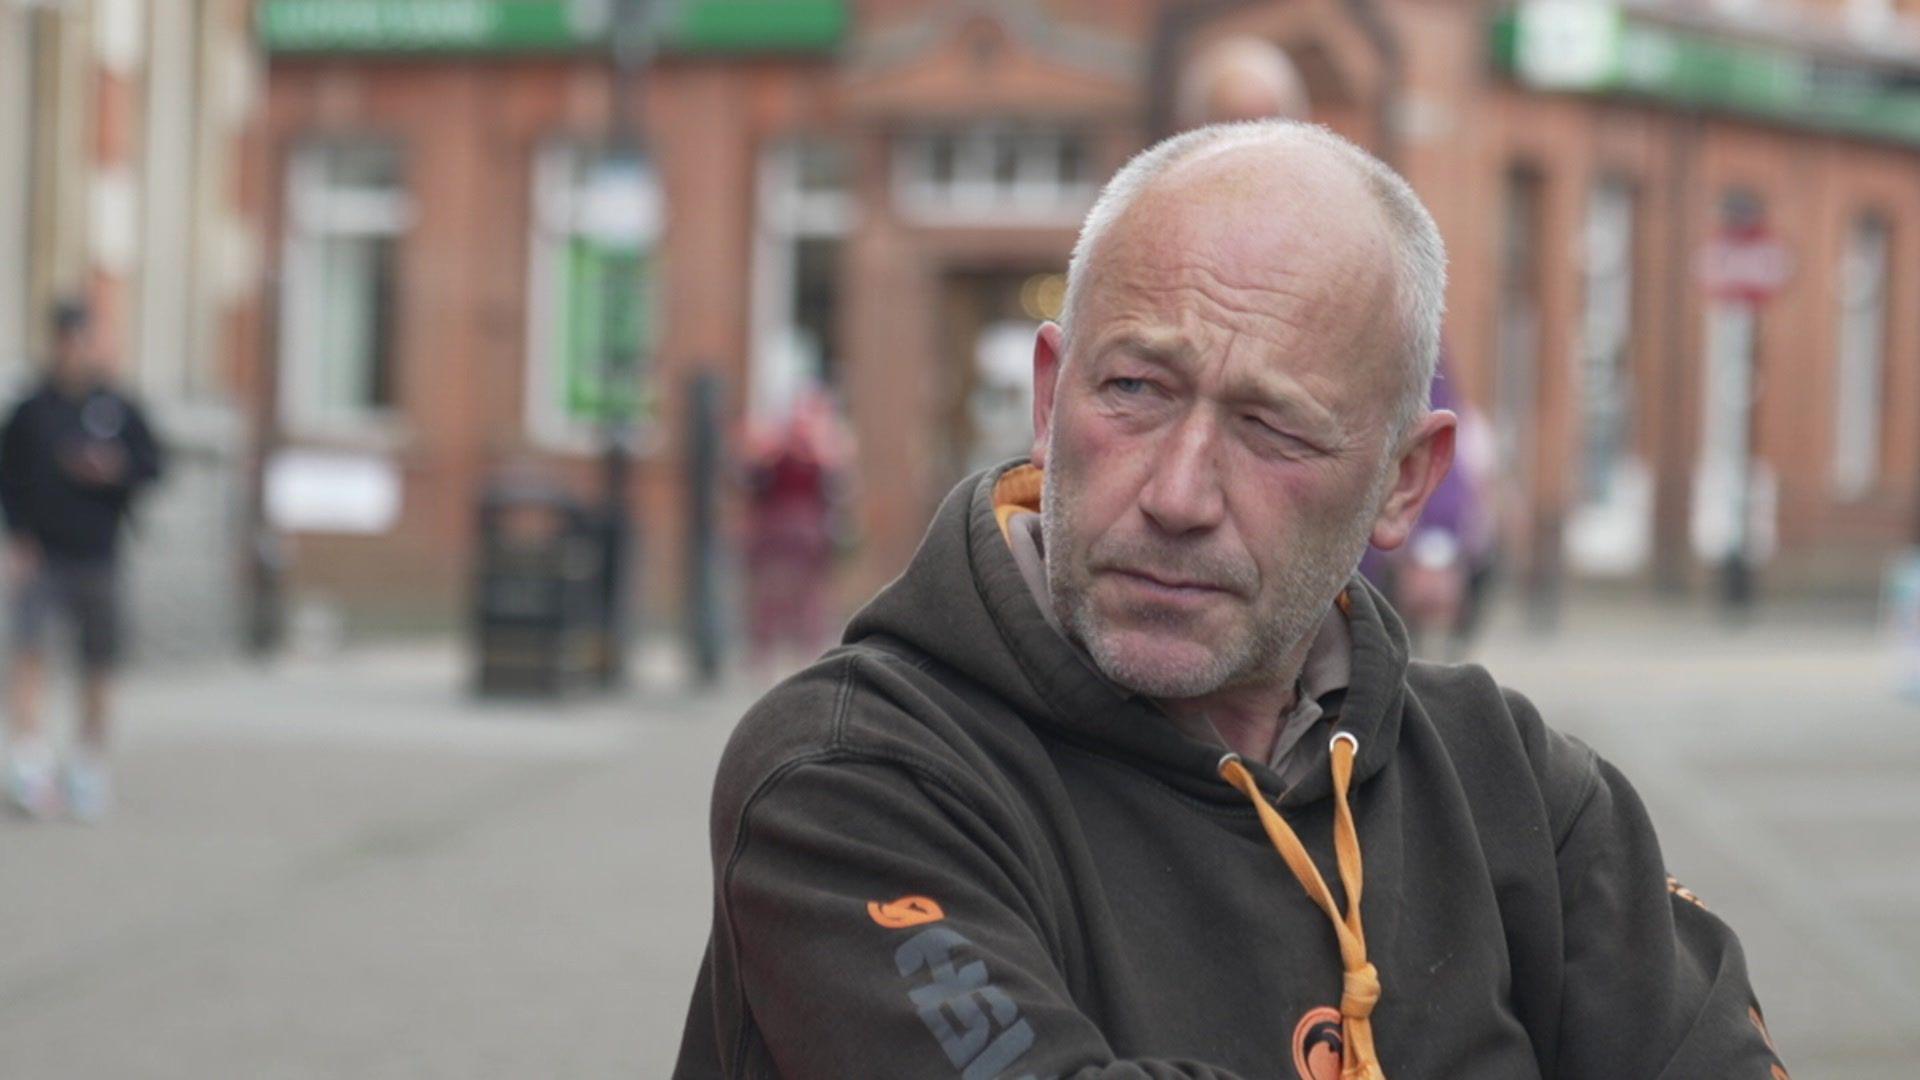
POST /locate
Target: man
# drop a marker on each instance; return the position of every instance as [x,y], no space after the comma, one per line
[1128,775]
[73,456]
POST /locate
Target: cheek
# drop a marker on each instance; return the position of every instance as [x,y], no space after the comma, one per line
[1294,505]
[1099,465]
[1097,481]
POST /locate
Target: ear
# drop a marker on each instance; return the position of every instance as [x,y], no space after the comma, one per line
[1425,456]
[1049,354]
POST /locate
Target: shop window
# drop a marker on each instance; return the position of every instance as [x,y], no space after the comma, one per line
[993,172]
[1610,529]
[348,211]
[1868,18]
[591,322]
[1518,325]
[804,215]
[1862,352]
[1604,383]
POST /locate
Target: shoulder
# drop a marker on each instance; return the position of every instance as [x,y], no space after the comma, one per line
[33,399]
[861,707]
[1493,731]
[24,418]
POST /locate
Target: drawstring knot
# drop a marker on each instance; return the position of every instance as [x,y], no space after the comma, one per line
[1359,993]
[1360,988]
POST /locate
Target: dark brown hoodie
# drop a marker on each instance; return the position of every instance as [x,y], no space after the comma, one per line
[952,849]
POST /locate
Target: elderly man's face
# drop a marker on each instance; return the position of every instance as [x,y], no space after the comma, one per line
[1215,435]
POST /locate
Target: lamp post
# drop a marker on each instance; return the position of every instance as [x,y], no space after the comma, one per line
[630,43]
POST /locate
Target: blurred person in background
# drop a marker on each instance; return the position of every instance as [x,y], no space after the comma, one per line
[797,474]
[1241,78]
[1439,579]
[1071,798]
[74,455]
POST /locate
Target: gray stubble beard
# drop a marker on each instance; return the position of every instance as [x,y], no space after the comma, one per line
[1309,585]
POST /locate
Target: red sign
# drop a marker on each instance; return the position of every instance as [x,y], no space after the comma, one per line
[1745,266]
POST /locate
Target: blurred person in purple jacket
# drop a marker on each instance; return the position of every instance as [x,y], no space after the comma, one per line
[74,455]
[1438,580]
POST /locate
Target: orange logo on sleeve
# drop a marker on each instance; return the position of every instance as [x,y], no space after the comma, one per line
[1317,1044]
[904,912]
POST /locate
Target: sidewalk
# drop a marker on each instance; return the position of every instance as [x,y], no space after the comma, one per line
[348,868]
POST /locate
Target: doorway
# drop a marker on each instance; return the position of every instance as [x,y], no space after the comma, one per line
[985,400]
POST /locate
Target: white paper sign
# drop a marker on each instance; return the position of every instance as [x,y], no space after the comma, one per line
[332,492]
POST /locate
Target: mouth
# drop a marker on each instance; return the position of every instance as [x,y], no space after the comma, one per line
[1168,585]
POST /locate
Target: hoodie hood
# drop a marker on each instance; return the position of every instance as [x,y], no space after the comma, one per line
[962,600]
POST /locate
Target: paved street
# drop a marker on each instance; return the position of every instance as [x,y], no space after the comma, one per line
[342,869]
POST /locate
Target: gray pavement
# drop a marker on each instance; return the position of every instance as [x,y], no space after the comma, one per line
[343,868]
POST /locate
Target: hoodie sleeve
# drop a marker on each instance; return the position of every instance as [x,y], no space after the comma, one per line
[145,458]
[1655,985]
[869,922]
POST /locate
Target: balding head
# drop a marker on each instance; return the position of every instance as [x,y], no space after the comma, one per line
[1223,429]
[1289,168]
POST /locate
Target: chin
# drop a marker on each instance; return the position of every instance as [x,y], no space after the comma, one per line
[1158,665]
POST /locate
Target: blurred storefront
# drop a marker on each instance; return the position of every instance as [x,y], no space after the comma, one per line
[1697,342]
[120,125]
[814,199]
[881,195]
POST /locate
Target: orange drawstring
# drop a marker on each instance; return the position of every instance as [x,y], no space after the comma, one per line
[1361,987]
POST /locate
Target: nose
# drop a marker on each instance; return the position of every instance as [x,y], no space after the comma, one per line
[1183,493]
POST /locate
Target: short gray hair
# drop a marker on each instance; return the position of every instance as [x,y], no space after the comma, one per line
[1420,269]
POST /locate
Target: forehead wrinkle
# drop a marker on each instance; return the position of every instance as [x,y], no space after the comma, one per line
[1197,290]
[1305,276]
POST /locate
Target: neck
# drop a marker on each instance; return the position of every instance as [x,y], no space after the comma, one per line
[71,382]
[1247,715]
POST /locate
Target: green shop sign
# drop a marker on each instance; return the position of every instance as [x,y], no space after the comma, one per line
[534,26]
[606,333]
[1585,46]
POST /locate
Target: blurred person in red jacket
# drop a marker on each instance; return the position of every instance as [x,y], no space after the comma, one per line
[796,477]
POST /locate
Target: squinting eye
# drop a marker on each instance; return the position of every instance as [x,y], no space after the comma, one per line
[1128,386]
[1273,434]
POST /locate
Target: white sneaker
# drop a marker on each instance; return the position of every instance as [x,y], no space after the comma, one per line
[30,782]
[89,789]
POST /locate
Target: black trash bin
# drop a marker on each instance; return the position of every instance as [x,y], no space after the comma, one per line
[538,594]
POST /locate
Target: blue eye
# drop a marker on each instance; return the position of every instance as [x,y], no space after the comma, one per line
[1128,386]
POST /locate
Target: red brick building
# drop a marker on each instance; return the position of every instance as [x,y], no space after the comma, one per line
[883,193]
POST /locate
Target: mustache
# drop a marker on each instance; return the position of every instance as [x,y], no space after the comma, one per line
[1176,564]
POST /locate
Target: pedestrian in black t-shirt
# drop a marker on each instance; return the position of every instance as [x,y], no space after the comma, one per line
[73,456]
